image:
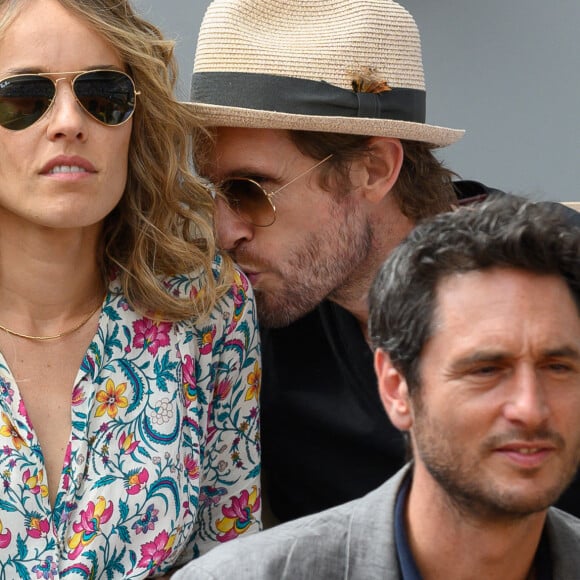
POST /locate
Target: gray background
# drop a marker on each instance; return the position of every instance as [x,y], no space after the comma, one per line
[507,71]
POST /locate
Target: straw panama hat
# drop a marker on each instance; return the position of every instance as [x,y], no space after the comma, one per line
[296,64]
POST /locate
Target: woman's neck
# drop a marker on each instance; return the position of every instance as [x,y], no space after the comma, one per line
[47,278]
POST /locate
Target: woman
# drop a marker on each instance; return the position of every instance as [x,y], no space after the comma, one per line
[128,386]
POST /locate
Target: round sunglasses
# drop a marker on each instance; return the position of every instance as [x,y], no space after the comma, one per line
[251,202]
[108,96]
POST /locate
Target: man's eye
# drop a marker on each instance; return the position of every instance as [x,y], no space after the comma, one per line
[485,370]
[559,367]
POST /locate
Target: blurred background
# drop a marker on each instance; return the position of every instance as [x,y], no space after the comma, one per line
[506,71]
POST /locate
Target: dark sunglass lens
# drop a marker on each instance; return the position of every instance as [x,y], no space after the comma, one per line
[249,201]
[23,100]
[108,96]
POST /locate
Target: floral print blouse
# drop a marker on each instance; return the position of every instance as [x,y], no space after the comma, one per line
[163,459]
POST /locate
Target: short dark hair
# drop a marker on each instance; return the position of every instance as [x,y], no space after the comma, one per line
[503,231]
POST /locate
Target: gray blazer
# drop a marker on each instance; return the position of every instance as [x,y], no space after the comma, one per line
[354,541]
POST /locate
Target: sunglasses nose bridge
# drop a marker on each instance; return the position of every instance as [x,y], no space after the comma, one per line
[70,82]
[67,80]
[65,101]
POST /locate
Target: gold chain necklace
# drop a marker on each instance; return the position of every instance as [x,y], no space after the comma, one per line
[53,336]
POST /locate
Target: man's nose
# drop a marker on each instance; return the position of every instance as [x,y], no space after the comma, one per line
[231,229]
[527,403]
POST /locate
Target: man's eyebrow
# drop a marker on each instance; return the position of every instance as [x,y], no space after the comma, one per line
[245,171]
[562,352]
[491,356]
[480,357]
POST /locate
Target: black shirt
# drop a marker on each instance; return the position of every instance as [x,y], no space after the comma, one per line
[325,435]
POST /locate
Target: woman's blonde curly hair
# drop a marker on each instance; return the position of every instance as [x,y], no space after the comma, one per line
[163,224]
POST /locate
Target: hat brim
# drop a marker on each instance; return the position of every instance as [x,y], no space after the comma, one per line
[222,116]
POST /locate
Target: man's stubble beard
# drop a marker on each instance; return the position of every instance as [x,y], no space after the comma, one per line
[465,486]
[321,267]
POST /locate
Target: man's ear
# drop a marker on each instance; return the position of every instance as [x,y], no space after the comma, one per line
[379,169]
[393,391]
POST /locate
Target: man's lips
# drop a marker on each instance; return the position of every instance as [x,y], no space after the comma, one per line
[252,275]
[527,454]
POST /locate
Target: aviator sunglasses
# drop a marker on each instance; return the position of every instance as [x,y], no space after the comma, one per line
[251,202]
[108,96]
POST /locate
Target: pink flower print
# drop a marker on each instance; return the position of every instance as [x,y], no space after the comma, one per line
[189,382]
[150,334]
[240,291]
[78,396]
[207,341]
[67,455]
[37,526]
[5,536]
[22,411]
[126,443]
[240,283]
[222,389]
[191,467]
[238,515]
[89,525]
[197,294]
[67,466]
[34,482]
[156,552]
[135,481]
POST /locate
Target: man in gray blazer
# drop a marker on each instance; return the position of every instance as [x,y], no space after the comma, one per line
[475,323]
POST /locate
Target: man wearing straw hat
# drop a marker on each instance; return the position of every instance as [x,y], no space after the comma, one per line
[490,405]
[325,163]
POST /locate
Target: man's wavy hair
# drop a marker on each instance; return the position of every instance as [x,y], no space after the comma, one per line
[504,231]
[424,187]
[163,224]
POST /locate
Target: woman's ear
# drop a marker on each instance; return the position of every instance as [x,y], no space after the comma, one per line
[380,168]
[393,391]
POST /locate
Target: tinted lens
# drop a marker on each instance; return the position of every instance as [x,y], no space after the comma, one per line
[108,96]
[249,201]
[23,100]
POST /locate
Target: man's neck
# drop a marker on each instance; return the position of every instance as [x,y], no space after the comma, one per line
[361,315]
[448,543]
[389,228]
[353,296]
